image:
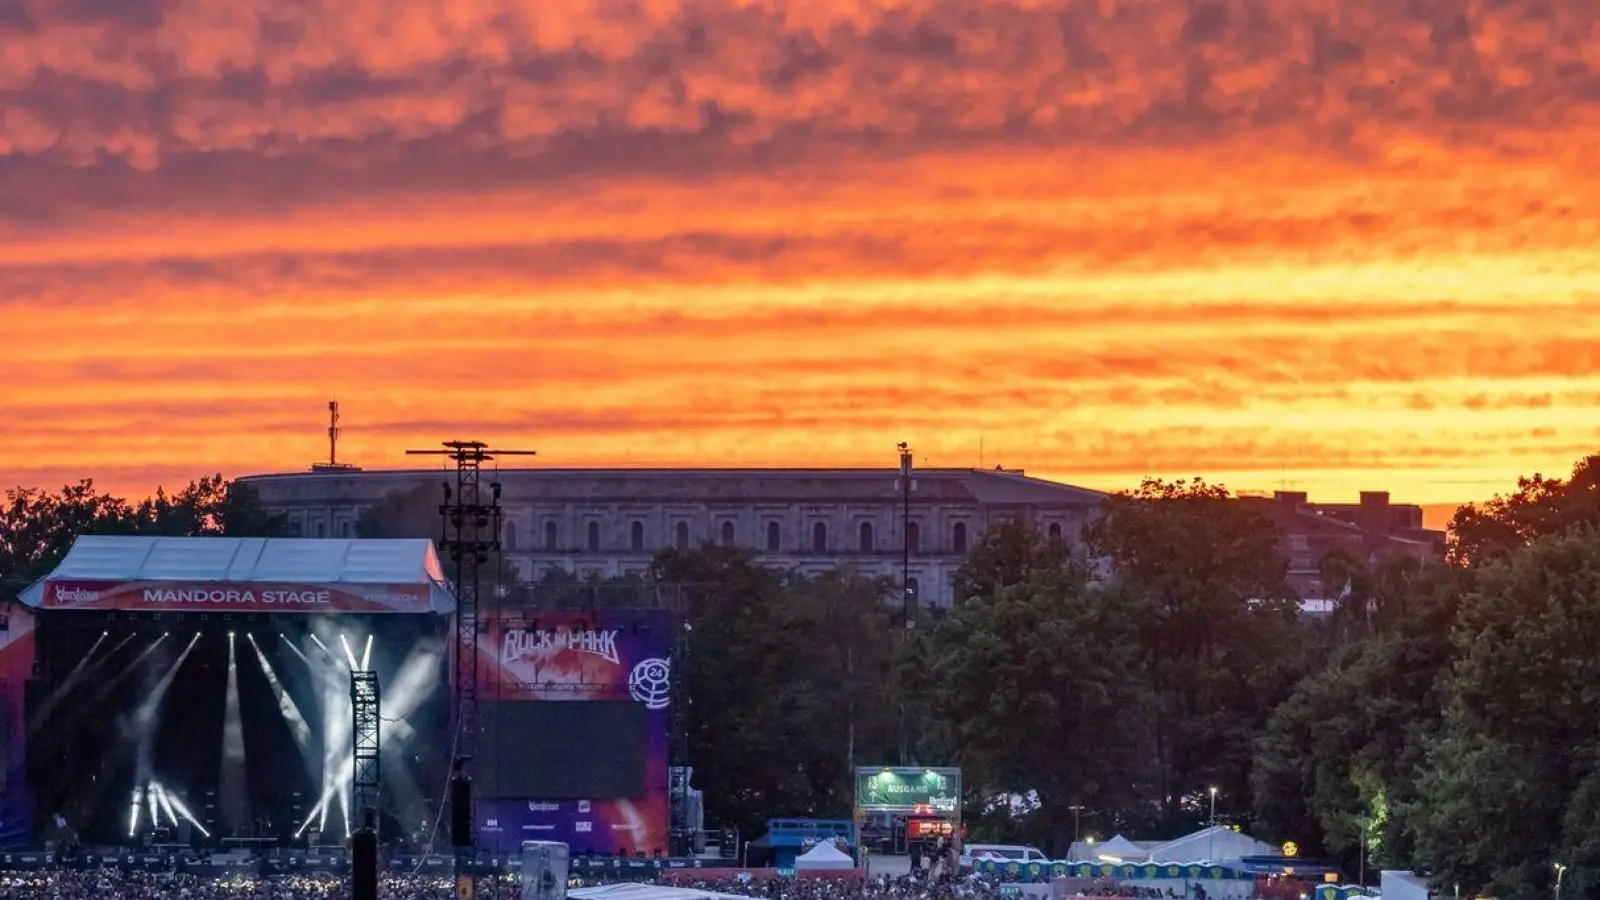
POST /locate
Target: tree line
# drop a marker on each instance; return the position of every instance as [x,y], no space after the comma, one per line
[1442,717]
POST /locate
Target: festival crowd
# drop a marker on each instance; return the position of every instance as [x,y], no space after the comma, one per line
[111,884]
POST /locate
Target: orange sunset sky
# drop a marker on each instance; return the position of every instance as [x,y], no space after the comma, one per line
[1320,244]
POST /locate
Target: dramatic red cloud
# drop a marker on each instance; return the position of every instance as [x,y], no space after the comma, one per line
[1325,243]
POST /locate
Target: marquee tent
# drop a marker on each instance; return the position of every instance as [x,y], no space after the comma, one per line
[1118,849]
[824,856]
[1216,845]
[245,575]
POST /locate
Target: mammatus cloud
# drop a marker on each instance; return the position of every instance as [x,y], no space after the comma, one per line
[1340,243]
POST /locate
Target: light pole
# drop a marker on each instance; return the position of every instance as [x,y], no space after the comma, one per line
[1075,810]
[905,535]
[905,578]
[1560,871]
[1213,805]
[1366,826]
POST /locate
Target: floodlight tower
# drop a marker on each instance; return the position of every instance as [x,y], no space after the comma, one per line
[471,531]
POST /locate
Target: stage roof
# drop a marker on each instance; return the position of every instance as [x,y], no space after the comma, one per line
[215,574]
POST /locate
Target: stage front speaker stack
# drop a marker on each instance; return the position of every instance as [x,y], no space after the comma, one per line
[460,811]
[364,860]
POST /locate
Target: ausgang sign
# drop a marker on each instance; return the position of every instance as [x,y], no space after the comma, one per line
[905,789]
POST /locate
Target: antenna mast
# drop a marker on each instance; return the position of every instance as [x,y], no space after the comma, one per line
[333,466]
[333,432]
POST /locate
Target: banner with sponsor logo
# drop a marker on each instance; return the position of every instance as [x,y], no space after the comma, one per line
[605,826]
[224,596]
[604,656]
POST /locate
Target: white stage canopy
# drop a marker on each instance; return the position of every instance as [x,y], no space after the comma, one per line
[245,575]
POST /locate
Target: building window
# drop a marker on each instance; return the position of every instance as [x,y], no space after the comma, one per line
[344,529]
[319,529]
[727,534]
[550,535]
[510,540]
[594,537]
[1298,542]
[295,528]
[636,537]
[774,537]
[819,538]
[913,537]
[911,590]
[1055,531]
[959,538]
[866,538]
[681,536]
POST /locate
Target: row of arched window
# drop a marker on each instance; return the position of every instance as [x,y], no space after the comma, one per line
[319,529]
[866,537]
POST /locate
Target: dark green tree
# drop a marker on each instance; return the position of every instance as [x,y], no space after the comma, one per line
[1337,762]
[1539,506]
[789,677]
[210,506]
[1509,788]
[1217,623]
[37,527]
[1037,683]
[1008,553]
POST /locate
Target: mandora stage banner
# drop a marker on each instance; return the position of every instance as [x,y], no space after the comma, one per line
[244,597]
[575,729]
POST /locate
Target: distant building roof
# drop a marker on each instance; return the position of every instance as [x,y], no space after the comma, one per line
[245,575]
[734,485]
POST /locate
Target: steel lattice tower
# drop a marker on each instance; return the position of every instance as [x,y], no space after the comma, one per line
[471,532]
[366,742]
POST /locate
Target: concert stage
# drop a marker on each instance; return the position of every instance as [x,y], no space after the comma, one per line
[198,690]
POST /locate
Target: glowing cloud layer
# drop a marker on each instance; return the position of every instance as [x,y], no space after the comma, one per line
[1331,243]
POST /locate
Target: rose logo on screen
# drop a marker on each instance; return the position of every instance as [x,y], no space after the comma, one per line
[650,683]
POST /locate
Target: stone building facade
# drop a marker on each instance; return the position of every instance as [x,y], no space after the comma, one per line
[611,522]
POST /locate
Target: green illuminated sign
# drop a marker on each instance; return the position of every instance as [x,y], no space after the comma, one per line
[928,791]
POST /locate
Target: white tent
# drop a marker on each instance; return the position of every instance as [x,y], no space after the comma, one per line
[1119,849]
[1398,885]
[1217,845]
[646,891]
[824,856]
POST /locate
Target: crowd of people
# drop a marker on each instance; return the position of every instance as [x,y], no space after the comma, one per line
[107,884]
